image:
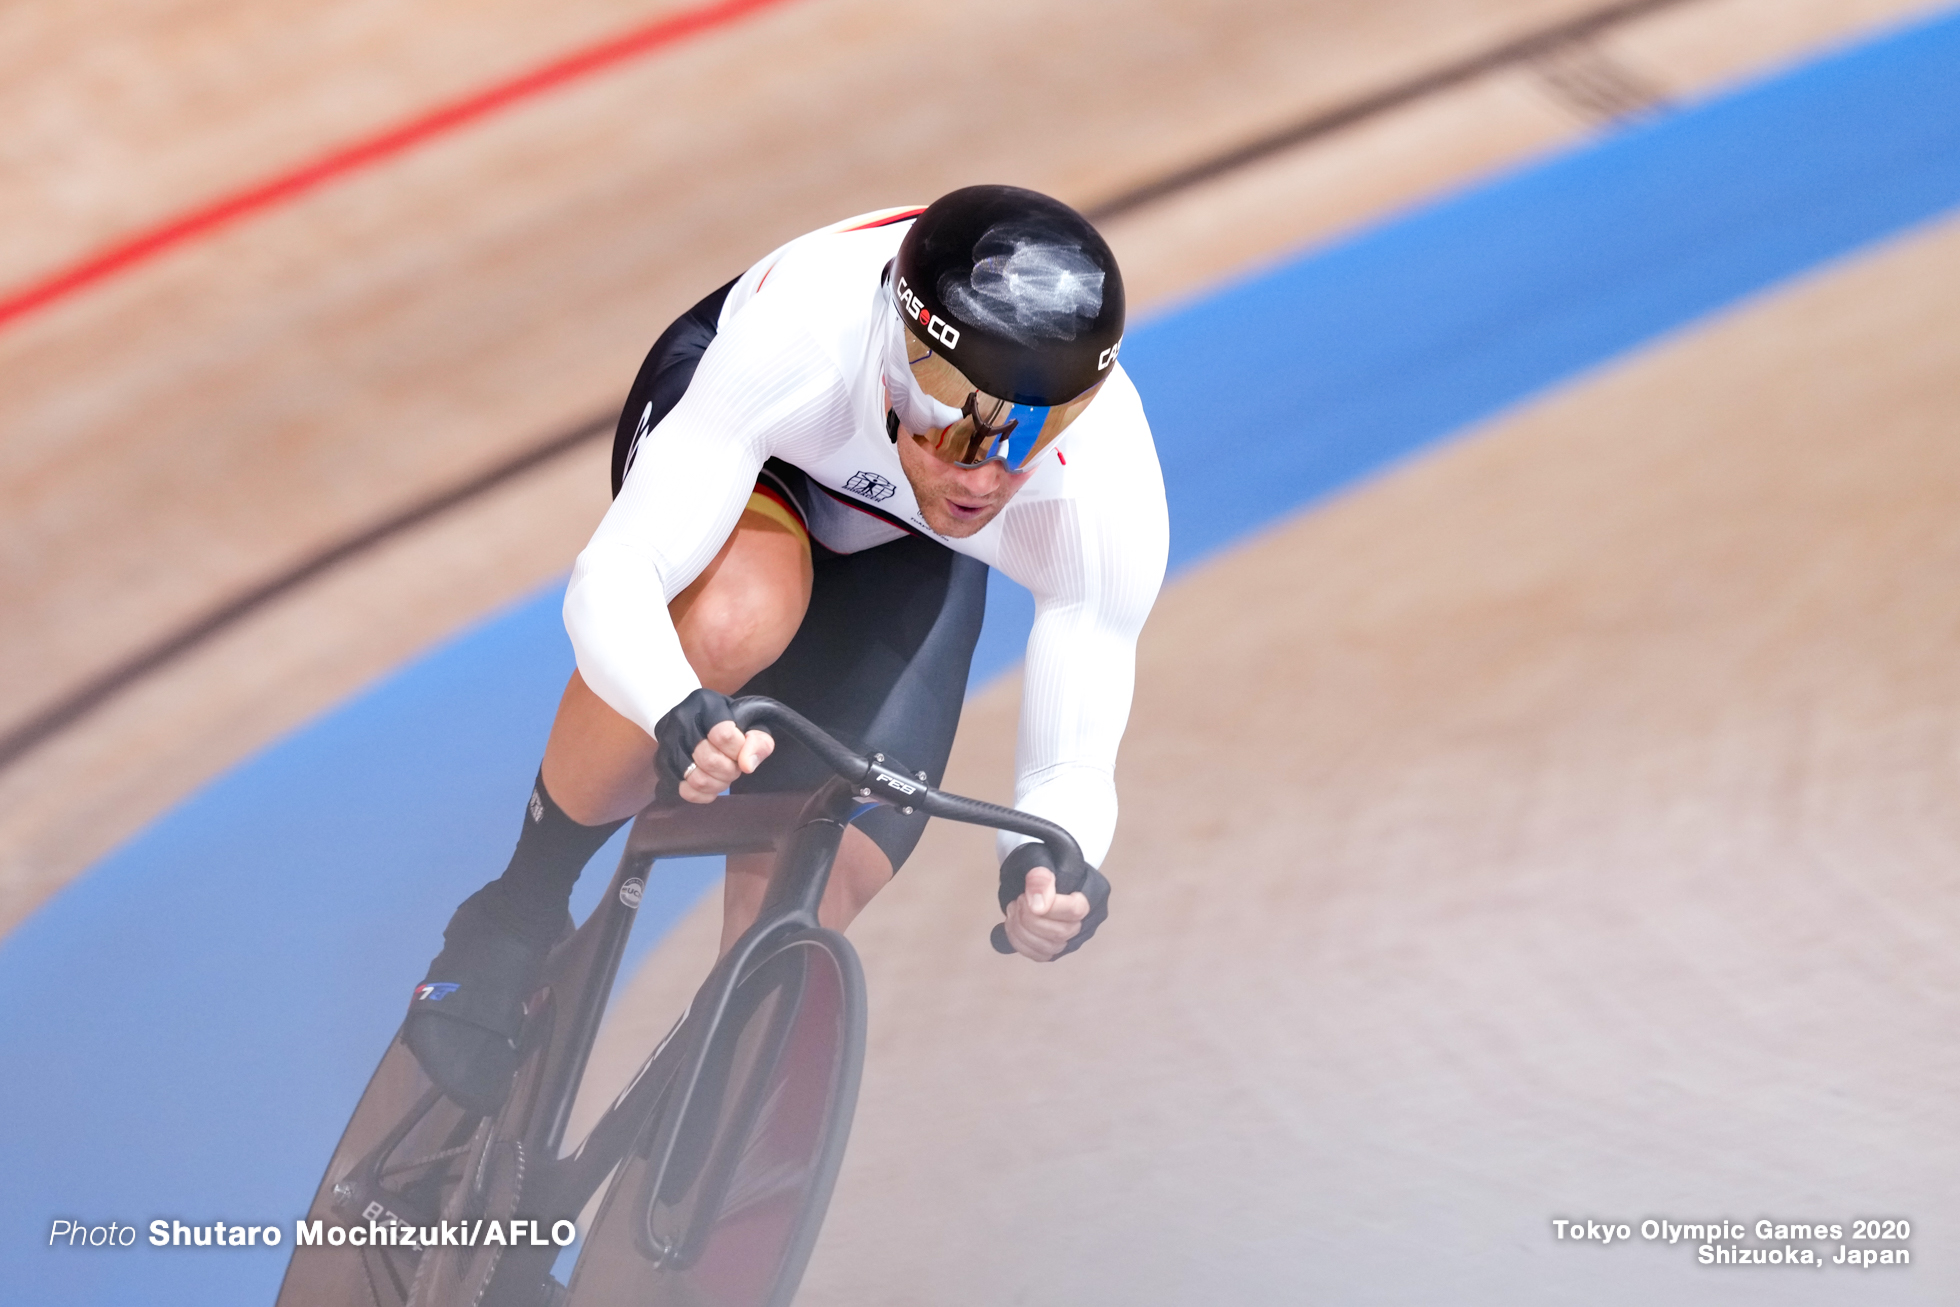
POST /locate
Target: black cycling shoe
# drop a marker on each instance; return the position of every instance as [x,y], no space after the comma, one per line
[465,1017]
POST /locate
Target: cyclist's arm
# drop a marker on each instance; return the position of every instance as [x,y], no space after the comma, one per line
[1080,671]
[1075,703]
[1094,578]
[760,390]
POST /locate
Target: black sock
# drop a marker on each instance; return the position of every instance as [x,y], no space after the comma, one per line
[552,850]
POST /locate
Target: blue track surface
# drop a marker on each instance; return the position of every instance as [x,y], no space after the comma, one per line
[187,1025]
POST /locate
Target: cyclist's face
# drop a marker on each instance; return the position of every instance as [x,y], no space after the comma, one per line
[955,501]
[961,422]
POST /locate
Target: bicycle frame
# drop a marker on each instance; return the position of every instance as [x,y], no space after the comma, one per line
[805,830]
[564,1014]
[584,966]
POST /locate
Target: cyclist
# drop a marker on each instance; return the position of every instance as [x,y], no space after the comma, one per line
[813,471]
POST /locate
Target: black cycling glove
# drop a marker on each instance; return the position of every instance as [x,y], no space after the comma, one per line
[683,728]
[1014,871]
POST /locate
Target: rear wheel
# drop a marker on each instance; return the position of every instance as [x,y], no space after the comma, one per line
[727,1216]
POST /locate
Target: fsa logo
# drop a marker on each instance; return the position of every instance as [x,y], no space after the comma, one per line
[938,328]
[1108,356]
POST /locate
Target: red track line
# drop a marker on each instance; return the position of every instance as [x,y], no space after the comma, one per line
[370,150]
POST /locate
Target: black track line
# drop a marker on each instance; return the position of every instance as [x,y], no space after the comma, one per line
[77,703]
[92,693]
[1376,103]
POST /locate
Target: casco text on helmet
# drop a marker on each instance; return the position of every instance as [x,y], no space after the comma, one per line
[1013,288]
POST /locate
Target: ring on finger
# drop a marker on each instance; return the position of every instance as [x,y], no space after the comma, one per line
[691,769]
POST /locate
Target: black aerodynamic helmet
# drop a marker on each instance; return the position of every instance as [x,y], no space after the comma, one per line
[1015,290]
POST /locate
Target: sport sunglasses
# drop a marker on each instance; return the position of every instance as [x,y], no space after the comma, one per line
[988,427]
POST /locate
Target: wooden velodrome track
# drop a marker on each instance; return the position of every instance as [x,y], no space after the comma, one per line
[212,418]
[1728,686]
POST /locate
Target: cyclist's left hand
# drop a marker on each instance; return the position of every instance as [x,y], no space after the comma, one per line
[1041,922]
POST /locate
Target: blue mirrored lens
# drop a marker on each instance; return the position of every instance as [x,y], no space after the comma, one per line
[1022,440]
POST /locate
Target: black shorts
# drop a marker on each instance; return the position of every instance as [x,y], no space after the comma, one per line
[881,658]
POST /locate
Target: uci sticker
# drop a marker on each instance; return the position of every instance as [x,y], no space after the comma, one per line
[630,892]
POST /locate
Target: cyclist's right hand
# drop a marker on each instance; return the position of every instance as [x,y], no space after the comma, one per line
[702,750]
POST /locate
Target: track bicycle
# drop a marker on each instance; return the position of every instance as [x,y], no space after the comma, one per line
[718,1158]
